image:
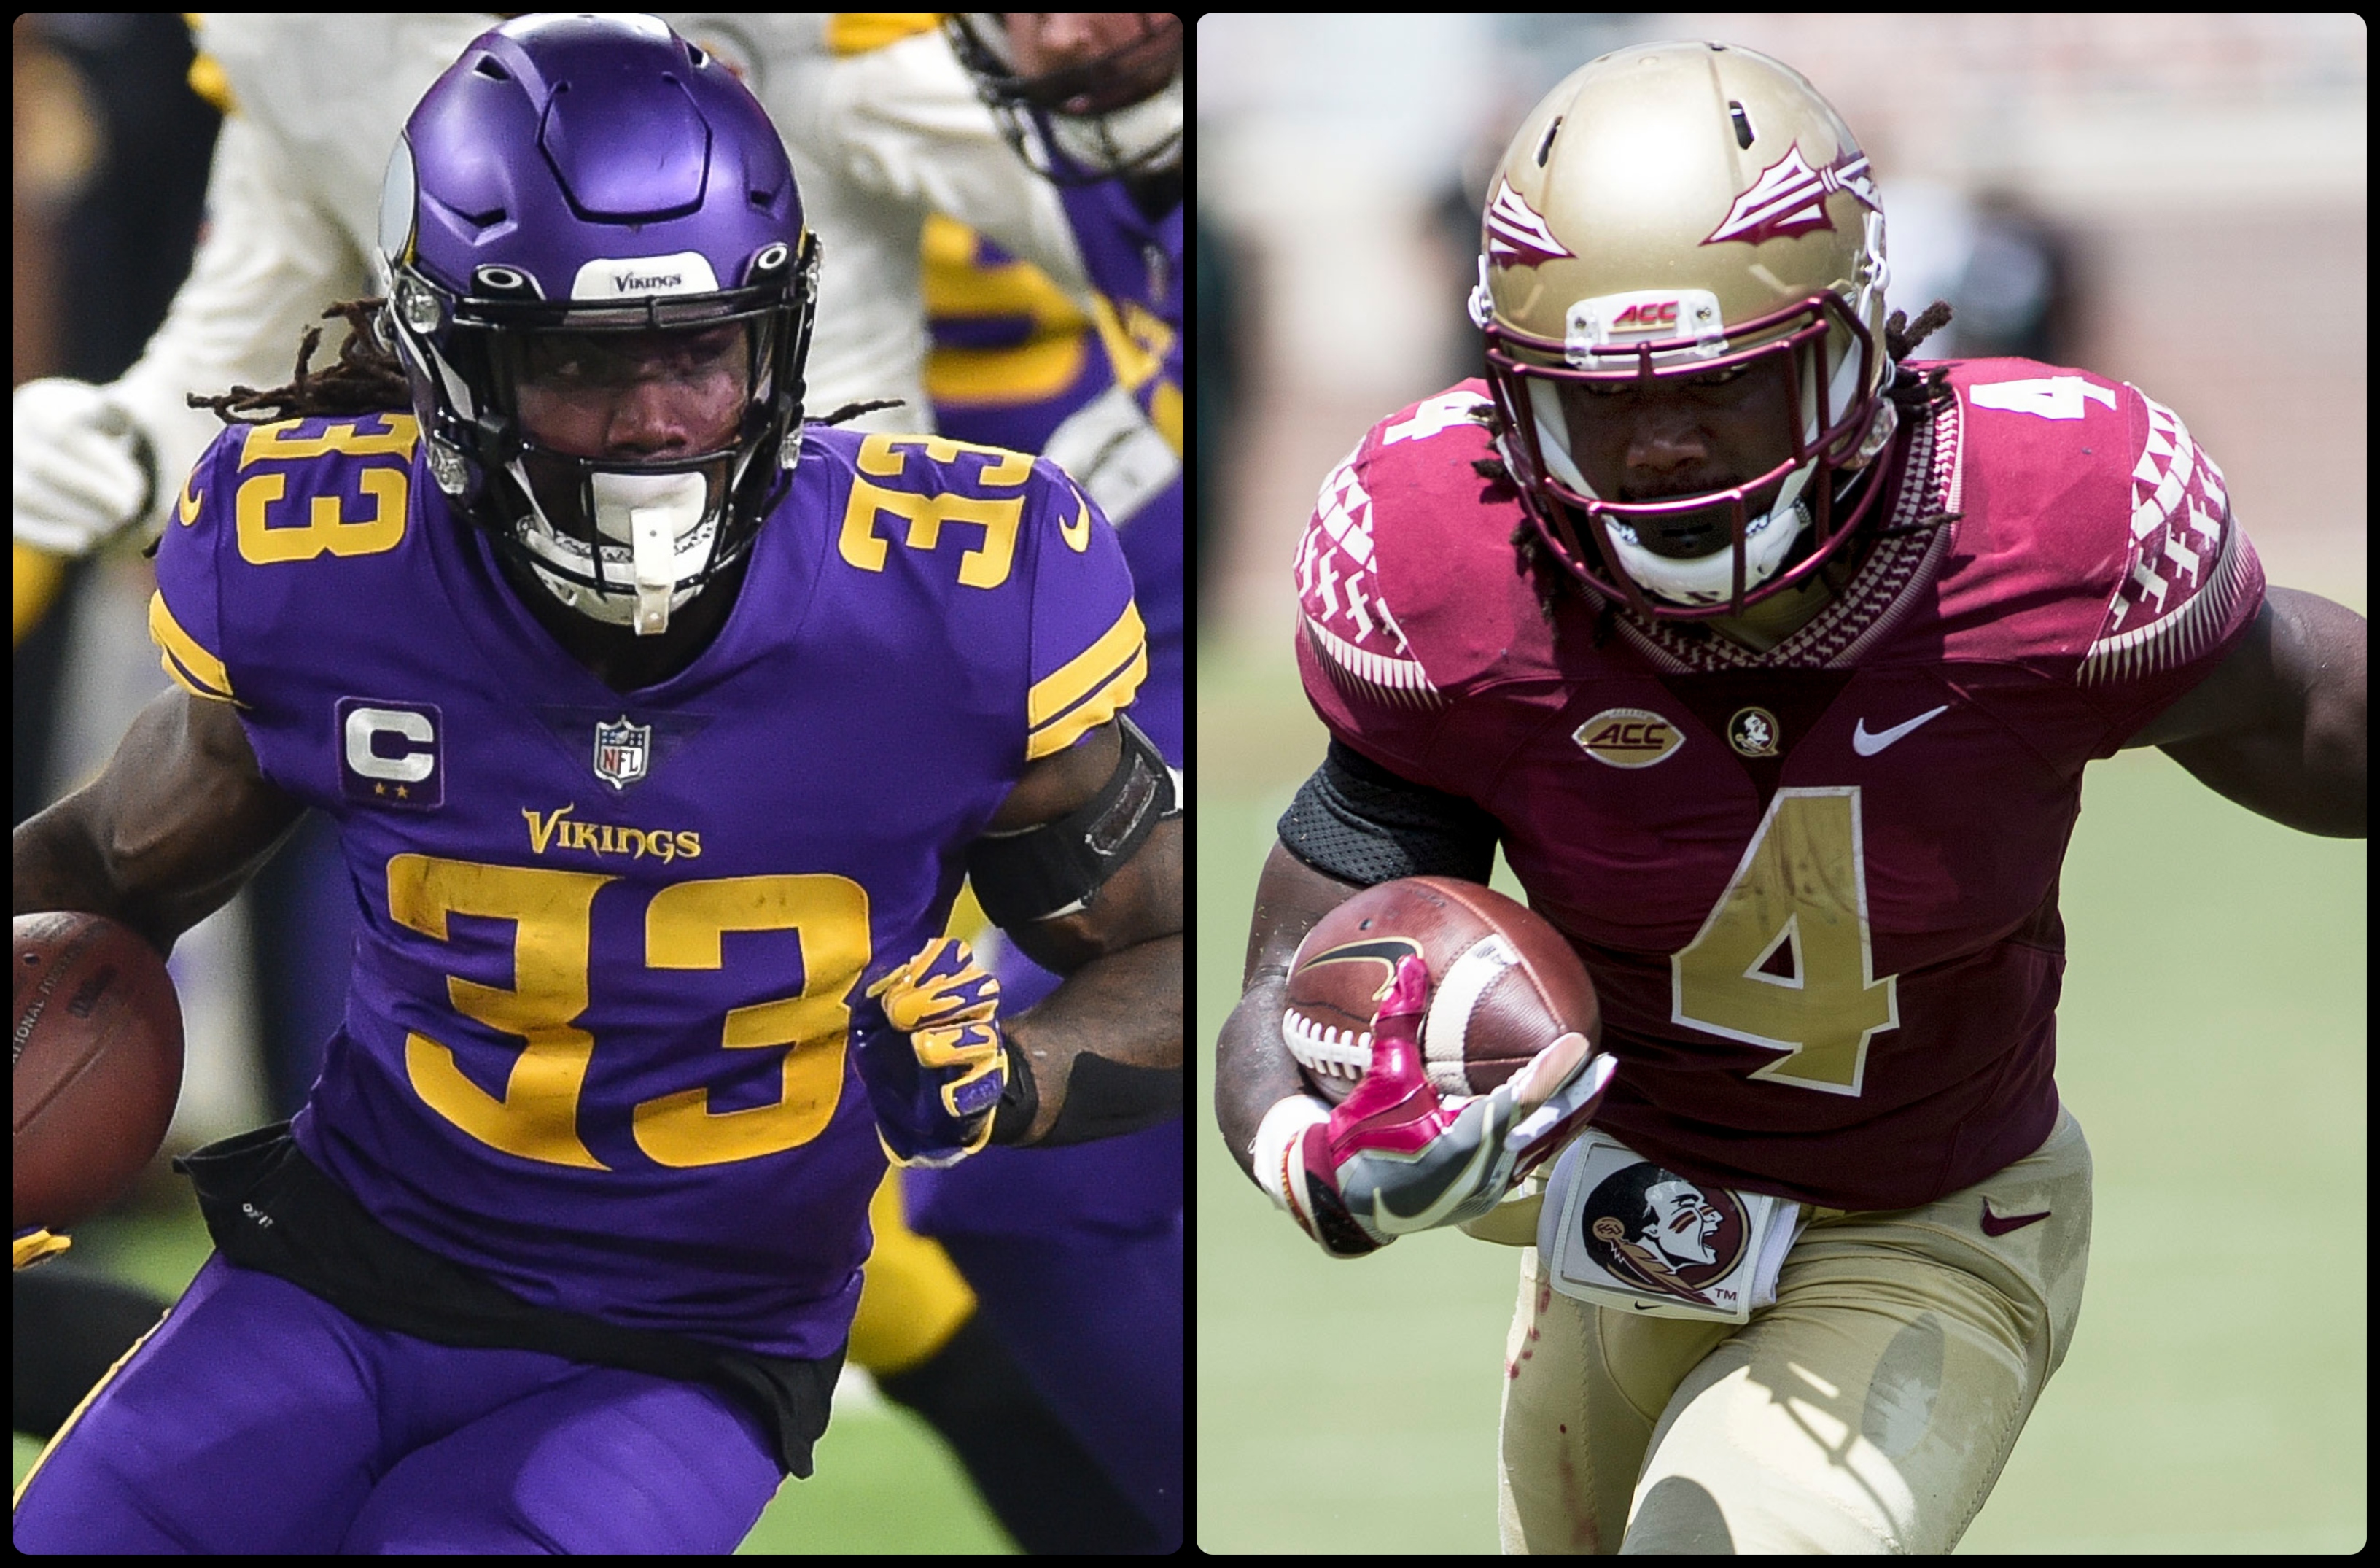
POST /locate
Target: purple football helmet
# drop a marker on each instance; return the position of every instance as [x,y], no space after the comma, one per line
[582,190]
[1118,115]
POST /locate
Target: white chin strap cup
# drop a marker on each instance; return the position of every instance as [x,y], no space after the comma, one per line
[649,512]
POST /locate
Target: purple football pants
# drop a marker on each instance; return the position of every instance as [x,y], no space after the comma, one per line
[258,1419]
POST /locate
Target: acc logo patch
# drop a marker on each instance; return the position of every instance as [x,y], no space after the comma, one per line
[1628,737]
[1753,732]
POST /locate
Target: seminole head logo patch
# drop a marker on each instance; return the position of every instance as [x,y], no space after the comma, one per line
[1661,1232]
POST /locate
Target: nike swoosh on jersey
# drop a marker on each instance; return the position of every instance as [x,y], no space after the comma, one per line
[1996,1226]
[1868,745]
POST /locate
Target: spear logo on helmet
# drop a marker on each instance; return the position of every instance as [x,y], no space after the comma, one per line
[1790,196]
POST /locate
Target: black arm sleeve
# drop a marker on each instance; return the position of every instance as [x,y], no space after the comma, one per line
[1356,821]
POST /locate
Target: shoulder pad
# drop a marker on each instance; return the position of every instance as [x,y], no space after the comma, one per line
[932,494]
[266,513]
[1408,585]
[2090,501]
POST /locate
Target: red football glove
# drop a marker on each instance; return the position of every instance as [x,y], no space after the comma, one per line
[1396,1156]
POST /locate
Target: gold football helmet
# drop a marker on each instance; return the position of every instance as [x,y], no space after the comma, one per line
[1685,215]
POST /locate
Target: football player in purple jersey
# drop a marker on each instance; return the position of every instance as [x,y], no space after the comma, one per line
[1771,656]
[661,725]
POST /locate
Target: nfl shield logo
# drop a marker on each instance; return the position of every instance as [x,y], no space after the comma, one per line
[621,749]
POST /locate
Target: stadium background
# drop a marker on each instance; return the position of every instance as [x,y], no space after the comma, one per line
[2189,192]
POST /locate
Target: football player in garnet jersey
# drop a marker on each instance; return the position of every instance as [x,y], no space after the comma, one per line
[1781,716]
[661,726]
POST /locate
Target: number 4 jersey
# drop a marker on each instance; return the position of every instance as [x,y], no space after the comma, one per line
[1816,887]
[594,1043]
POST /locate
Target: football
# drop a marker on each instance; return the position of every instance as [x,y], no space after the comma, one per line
[1504,985]
[98,1064]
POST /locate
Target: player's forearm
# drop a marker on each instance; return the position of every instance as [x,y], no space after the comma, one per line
[1254,1071]
[1110,1036]
[168,831]
[63,860]
[2307,770]
[59,865]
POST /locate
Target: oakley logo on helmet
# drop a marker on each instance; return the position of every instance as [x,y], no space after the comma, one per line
[1789,197]
[1517,236]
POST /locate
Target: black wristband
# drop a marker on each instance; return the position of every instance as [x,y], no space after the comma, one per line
[1020,1101]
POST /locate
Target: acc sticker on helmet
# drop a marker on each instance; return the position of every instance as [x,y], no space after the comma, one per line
[1628,737]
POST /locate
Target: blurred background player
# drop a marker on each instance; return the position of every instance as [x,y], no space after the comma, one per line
[110,174]
[293,204]
[1079,1255]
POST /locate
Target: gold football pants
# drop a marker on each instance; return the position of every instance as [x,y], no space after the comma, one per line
[1869,1410]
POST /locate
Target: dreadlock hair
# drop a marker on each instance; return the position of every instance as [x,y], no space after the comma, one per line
[1912,393]
[365,380]
[368,379]
[1916,395]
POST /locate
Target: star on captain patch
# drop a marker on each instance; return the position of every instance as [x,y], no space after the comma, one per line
[621,751]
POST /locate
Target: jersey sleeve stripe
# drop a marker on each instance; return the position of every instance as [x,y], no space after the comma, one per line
[2175,639]
[1098,709]
[193,668]
[1088,671]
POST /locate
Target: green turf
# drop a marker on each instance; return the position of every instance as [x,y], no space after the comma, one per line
[884,1481]
[2212,1048]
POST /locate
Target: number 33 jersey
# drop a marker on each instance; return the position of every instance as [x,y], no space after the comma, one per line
[1816,887]
[595,1038]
